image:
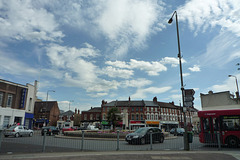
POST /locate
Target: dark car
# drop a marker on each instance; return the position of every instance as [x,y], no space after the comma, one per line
[51,130]
[142,135]
[177,131]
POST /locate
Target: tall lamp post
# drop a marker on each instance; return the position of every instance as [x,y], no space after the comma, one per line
[70,103]
[46,105]
[186,144]
[237,93]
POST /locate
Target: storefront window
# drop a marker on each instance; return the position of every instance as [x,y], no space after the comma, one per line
[9,100]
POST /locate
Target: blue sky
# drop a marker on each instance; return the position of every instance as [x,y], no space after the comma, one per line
[89,51]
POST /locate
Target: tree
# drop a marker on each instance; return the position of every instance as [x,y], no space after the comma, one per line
[113,116]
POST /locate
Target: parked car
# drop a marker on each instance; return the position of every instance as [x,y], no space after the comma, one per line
[18,131]
[68,129]
[177,131]
[142,135]
[51,130]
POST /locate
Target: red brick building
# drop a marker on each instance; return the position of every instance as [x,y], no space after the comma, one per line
[46,113]
[92,116]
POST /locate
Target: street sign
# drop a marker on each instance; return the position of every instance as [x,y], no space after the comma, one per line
[188,97]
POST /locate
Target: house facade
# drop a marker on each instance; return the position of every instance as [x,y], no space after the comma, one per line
[219,100]
[91,117]
[142,113]
[16,103]
[46,113]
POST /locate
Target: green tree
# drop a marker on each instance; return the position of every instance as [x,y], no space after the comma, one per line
[113,116]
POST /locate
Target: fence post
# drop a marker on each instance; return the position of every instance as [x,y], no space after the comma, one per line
[44,138]
[218,139]
[151,140]
[82,139]
[117,140]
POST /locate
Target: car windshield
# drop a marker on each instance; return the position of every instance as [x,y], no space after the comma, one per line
[141,130]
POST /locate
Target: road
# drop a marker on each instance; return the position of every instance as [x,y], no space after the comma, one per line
[53,144]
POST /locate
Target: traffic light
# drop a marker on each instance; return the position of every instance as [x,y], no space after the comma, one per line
[188,97]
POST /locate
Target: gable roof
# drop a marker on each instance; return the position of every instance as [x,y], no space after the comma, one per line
[94,109]
[44,104]
[67,113]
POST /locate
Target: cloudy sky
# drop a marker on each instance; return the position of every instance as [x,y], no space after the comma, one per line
[89,51]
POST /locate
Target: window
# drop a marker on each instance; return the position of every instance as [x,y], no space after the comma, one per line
[132,116]
[85,116]
[1,98]
[104,116]
[9,100]
[141,116]
[137,116]
[137,109]
[148,116]
[156,117]
[141,109]
[152,109]
[231,123]
[97,117]
[155,109]
[147,109]
[132,109]
[152,116]
[91,116]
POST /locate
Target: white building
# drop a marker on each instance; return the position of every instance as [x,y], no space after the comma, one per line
[16,103]
[219,100]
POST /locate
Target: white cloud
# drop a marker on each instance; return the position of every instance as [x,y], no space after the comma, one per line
[13,66]
[116,72]
[204,14]
[141,93]
[21,21]
[186,74]
[151,68]
[195,68]
[140,82]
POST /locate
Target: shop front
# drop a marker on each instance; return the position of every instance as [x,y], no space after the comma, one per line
[133,125]
[168,125]
[152,123]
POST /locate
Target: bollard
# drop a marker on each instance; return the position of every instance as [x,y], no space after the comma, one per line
[150,140]
[82,139]
[44,138]
[117,140]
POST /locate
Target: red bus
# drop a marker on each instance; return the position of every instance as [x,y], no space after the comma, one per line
[226,123]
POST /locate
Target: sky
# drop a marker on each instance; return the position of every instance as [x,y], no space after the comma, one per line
[88,51]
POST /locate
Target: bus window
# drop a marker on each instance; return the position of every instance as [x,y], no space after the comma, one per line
[230,123]
[206,124]
[215,124]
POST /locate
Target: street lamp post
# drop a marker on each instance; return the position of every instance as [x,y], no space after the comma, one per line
[70,103]
[46,104]
[186,144]
[237,93]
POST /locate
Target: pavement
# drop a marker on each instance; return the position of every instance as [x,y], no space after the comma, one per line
[124,155]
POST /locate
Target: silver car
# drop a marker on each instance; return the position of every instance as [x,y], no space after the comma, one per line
[17,131]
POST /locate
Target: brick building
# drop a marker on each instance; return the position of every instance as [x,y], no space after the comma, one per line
[141,113]
[46,113]
[91,117]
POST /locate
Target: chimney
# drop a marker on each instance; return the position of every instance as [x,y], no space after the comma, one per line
[75,110]
[78,111]
[129,98]
[155,99]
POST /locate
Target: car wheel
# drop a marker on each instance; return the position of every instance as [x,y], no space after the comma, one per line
[142,141]
[30,134]
[161,139]
[232,142]
[17,135]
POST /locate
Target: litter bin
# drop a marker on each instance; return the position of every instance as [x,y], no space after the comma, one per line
[190,136]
